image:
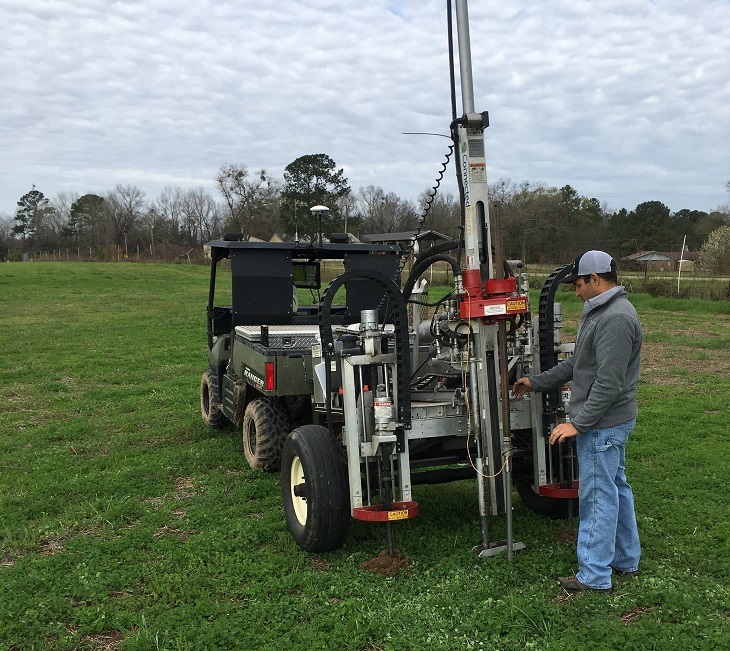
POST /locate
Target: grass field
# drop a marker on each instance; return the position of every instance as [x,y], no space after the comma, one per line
[127,524]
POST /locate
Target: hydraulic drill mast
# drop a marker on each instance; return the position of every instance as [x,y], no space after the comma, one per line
[488,300]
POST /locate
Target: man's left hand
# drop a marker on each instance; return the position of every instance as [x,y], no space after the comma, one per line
[562,432]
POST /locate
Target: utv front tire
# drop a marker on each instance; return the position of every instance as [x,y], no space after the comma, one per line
[265,426]
[314,489]
[210,410]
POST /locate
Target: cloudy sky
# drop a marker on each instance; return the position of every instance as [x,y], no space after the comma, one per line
[625,100]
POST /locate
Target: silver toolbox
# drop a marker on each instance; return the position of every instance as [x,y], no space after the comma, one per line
[282,336]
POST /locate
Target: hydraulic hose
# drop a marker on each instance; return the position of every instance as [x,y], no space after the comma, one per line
[434,254]
[450,245]
[439,247]
[418,269]
[546,327]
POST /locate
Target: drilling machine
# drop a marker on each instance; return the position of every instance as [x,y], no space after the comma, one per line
[390,418]
[365,411]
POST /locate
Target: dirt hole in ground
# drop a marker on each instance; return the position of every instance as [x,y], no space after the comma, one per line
[566,535]
[387,565]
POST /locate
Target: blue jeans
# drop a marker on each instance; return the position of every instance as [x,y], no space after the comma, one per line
[607,534]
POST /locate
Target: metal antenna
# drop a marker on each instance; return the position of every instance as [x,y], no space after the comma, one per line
[296,224]
[318,210]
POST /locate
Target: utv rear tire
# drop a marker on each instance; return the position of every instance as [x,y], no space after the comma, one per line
[265,426]
[210,410]
[314,489]
[555,508]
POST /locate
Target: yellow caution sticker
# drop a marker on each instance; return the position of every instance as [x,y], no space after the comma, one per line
[517,305]
[398,515]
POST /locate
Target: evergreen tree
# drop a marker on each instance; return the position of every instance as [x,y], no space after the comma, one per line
[312,180]
[32,208]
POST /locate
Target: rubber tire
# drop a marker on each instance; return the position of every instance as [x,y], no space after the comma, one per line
[210,410]
[310,451]
[265,427]
[555,508]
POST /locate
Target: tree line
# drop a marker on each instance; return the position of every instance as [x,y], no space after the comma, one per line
[539,223]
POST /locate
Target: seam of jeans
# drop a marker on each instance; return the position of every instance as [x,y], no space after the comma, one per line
[589,542]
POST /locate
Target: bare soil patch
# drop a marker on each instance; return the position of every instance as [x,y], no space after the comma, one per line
[108,641]
[632,616]
[7,561]
[167,530]
[566,535]
[658,358]
[319,564]
[183,487]
[50,546]
[387,565]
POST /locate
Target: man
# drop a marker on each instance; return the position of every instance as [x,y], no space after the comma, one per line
[605,371]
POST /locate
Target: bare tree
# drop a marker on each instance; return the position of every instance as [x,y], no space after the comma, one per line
[201,217]
[62,203]
[7,237]
[348,209]
[250,199]
[125,207]
[57,226]
[443,214]
[384,212]
[165,222]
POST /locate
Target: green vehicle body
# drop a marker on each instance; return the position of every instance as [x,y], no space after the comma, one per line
[260,343]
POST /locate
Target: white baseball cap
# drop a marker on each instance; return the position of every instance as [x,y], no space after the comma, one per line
[590,262]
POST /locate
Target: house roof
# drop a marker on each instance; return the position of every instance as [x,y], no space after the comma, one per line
[688,255]
[644,256]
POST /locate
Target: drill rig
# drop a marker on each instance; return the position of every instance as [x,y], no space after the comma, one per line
[359,403]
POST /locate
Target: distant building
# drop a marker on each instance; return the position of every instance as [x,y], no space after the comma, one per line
[661,261]
[424,240]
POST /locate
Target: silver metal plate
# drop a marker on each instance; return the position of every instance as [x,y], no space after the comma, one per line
[282,336]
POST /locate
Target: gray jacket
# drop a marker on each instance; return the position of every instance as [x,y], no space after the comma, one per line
[605,365]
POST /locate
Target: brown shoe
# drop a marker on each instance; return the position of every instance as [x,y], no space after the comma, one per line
[571,584]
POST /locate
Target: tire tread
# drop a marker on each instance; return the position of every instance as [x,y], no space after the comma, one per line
[272,428]
[328,499]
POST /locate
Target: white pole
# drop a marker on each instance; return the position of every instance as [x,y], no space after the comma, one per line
[681,258]
[296,225]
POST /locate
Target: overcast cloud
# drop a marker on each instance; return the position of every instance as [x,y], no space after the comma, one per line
[625,100]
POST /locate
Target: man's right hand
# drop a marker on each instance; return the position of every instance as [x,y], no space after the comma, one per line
[521,387]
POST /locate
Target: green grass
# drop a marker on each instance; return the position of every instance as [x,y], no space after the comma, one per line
[126,523]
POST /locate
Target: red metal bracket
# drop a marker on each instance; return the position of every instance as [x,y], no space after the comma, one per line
[495,301]
[376,512]
[559,490]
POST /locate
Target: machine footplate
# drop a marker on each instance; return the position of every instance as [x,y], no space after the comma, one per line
[560,490]
[495,548]
[376,512]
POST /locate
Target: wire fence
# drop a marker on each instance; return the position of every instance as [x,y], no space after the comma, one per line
[692,283]
[112,253]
